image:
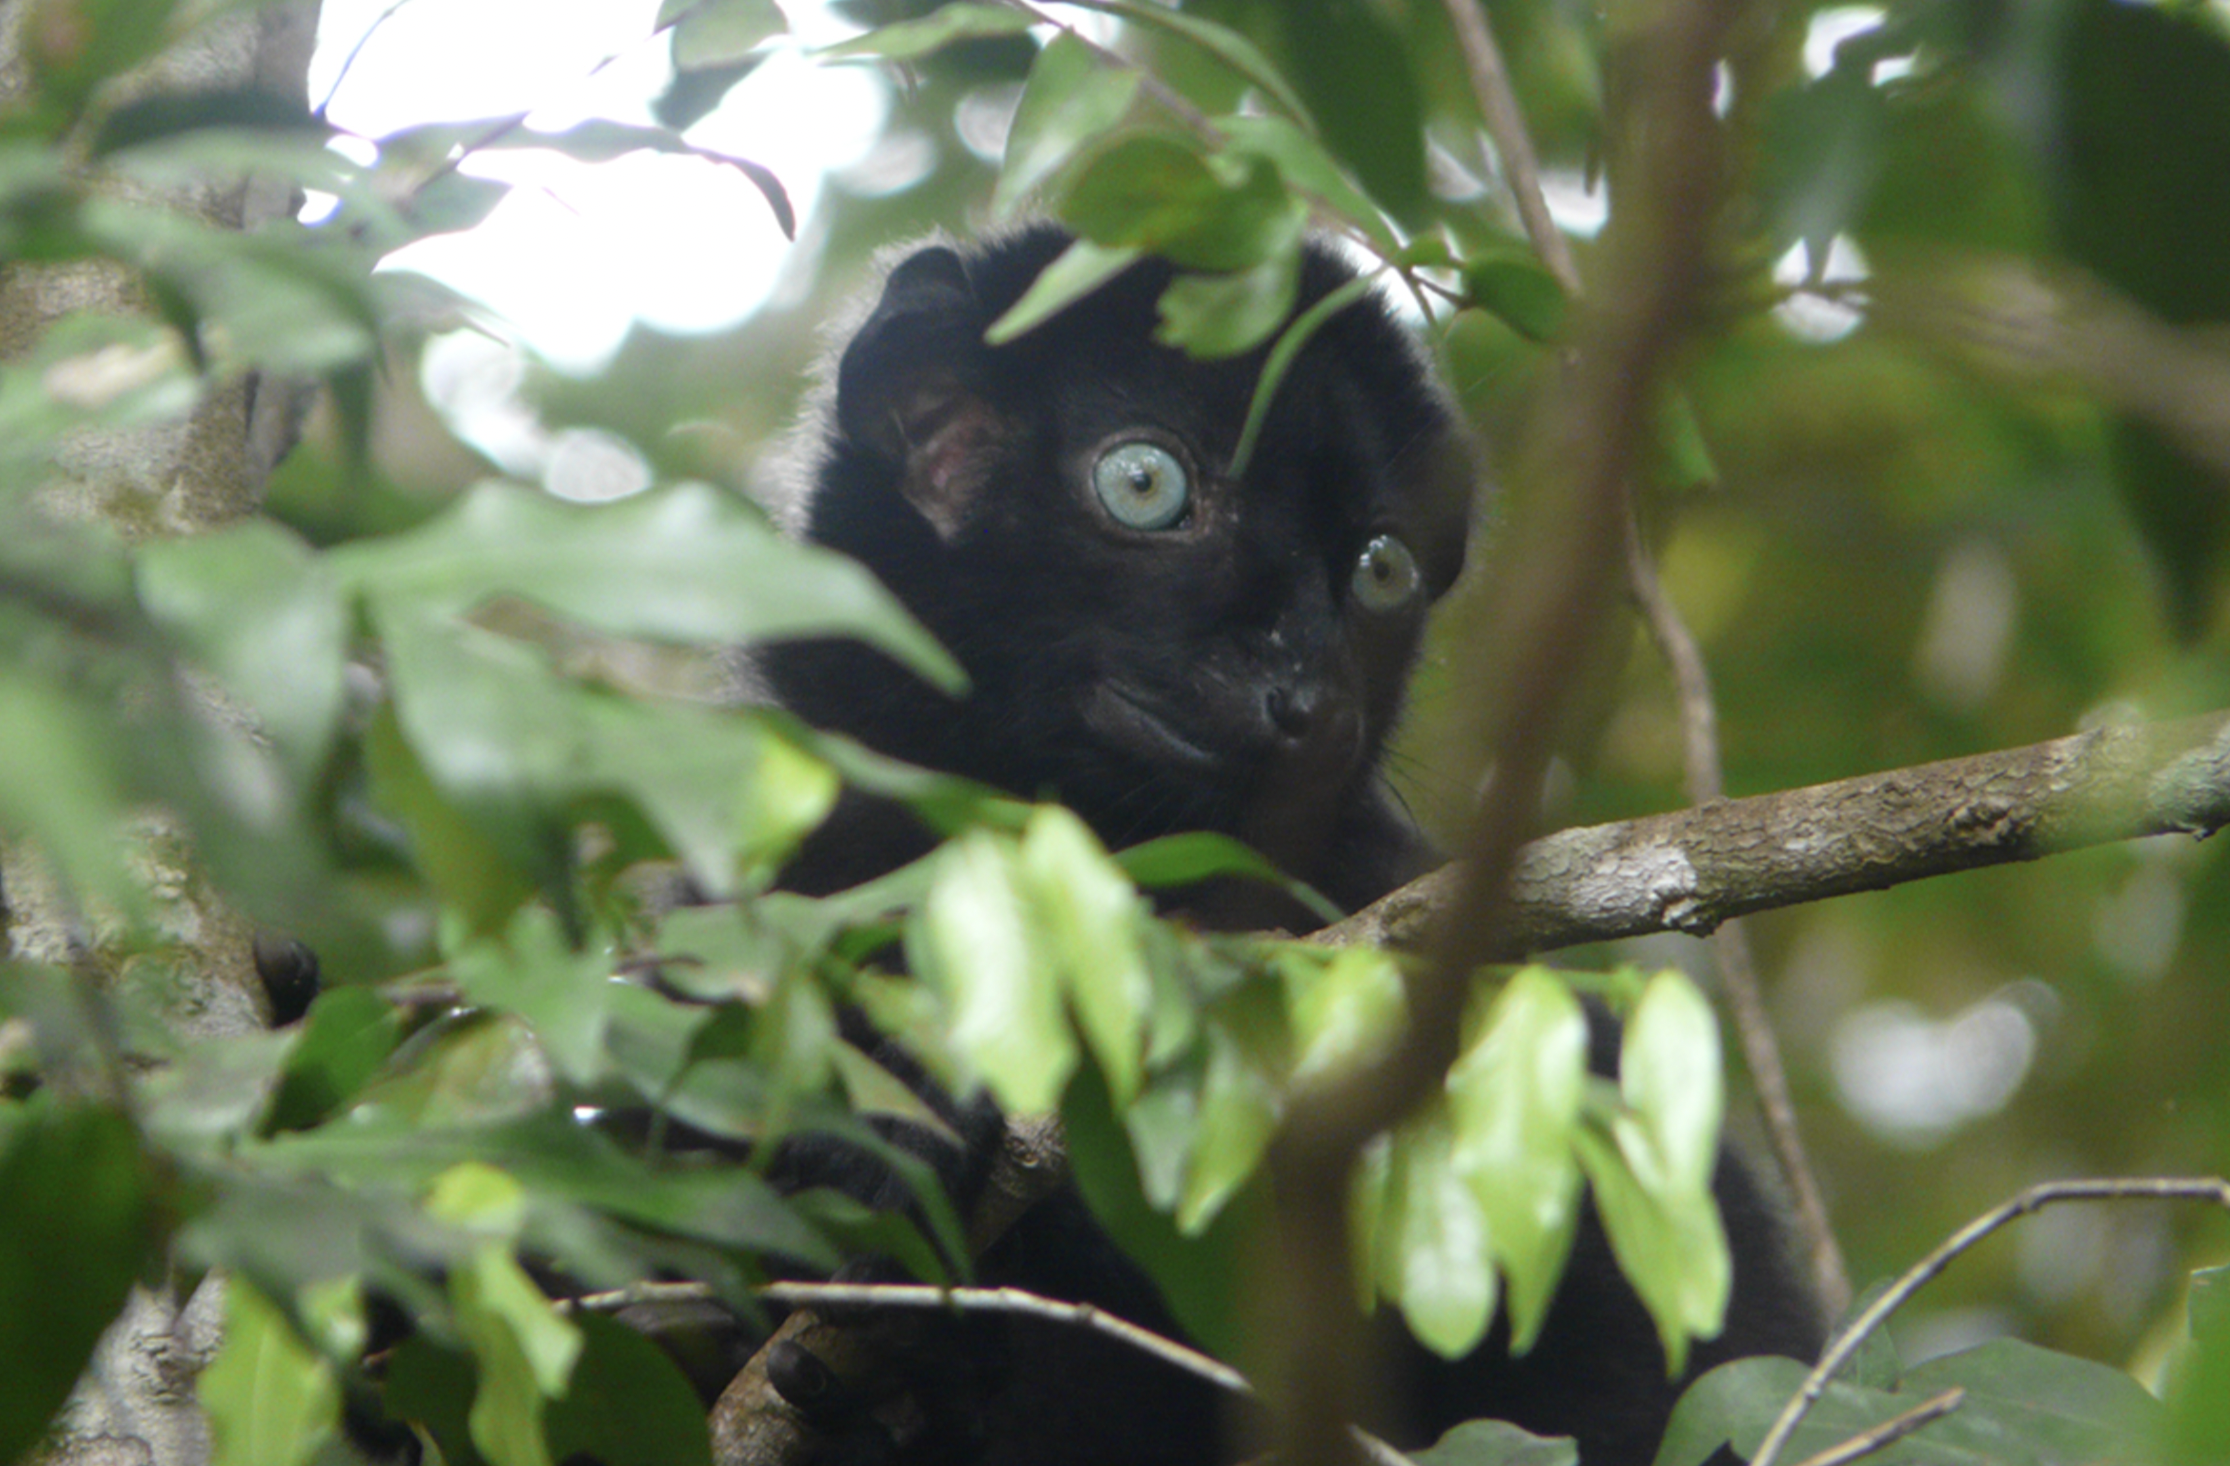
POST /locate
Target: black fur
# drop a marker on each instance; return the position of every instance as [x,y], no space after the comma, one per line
[960,473]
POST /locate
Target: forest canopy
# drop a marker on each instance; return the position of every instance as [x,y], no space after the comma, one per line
[1879,420]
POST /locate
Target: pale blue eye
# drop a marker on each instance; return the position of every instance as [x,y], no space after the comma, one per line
[1143,485]
[1385,575]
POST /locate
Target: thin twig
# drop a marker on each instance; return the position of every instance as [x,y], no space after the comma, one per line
[1577,455]
[1730,944]
[349,61]
[2035,1198]
[1023,1303]
[1498,109]
[1018,1302]
[1505,121]
[1890,1431]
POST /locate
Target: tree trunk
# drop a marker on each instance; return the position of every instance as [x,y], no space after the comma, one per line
[136,1403]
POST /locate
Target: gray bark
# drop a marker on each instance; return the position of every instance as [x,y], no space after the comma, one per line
[136,1403]
[1691,869]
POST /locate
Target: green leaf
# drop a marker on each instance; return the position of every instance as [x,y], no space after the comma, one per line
[2022,1404]
[1346,1006]
[1202,211]
[2142,156]
[1514,1097]
[1240,1104]
[1669,1072]
[1434,1243]
[1226,45]
[76,1210]
[1309,168]
[1224,315]
[1090,914]
[1180,860]
[260,299]
[456,855]
[1072,97]
[1679,453]
[1354,70]
[1519,292]
[687,565]
[977,939]
[1203,1276]
[533,972]
[1496,1443]
[525,1354]
[1822,149]
[1081,269]
[433,1388]
[166,114]
[61,786]
[718,32]
[1670,1246]
[911,40]
[2199,1388]
[347,1035]
[256,606]
[627,1404]
[271,1401]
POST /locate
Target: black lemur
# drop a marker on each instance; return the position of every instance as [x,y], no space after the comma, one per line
[1166,645]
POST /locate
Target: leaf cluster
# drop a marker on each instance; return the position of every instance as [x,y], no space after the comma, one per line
[449,748]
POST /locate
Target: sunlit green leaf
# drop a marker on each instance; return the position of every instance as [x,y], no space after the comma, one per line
[1521,292]
[911,40]
[1435,1235]
[1203,211]
[271,1400]
[533,972]
[1073,96]
[1346,1006]
[524,1350]
[1514,1098]
[978,939]
[689,564]
[1669,1072]
[1090,915]
[258,608]
[347,1034]
[1081,269]
[1670,1245]
[1211,315]
[1240,1105]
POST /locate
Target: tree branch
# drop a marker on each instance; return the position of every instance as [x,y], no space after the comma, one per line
[1691,869]
[2035,1198]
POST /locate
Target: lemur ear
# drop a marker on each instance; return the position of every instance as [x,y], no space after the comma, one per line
[906,387]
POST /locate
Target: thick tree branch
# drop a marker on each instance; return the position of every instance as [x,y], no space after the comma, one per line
[1691,869]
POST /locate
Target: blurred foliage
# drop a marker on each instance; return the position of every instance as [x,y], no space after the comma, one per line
[481,721]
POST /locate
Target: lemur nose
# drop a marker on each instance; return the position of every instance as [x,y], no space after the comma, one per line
[1293,709]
